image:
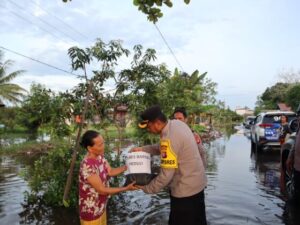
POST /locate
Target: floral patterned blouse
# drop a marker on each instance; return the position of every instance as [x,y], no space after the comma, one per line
[91,203]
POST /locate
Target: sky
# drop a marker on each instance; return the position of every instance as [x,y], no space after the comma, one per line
[242,45]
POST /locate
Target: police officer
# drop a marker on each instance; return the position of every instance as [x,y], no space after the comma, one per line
[182,169]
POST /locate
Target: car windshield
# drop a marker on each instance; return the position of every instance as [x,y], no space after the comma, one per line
[276,118]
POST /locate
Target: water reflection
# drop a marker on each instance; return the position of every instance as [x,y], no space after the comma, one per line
[136,208]
[266,165]
[11,191]
[41,214]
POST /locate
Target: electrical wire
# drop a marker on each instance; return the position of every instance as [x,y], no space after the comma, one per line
[38,61]
[171,51]
[50,25]
[49,65]
[45,22]
[25,19]
[60,20]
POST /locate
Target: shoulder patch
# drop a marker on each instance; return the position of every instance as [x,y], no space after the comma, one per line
[168,159]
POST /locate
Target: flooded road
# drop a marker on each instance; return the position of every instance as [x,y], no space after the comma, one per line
[243,188]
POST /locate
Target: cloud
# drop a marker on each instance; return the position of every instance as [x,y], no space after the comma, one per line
[54,82]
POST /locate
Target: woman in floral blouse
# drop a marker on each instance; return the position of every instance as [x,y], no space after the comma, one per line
[93,181]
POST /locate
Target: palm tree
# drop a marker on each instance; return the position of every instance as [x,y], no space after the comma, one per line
[9,92]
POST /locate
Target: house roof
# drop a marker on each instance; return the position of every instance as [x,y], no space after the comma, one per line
[121,108]
[244,108]
[283,107]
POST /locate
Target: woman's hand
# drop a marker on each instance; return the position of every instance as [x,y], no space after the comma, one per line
[124,168]
[136,149]
[131,187]
[139,187]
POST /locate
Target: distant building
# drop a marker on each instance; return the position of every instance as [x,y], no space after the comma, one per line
[244,111]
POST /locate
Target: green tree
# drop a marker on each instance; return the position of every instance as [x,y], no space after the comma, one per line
[107,55]
[146,84]
[8,91]
[273,95]
[293,96]
[8,117]
[138,86]
[36,108]
[190,91]
[60,111]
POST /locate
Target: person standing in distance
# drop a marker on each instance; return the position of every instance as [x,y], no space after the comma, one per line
[284,129]
[182,169]
[180,114]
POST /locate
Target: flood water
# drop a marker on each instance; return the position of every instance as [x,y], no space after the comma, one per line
[243,188]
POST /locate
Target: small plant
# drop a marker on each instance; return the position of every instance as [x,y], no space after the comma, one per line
[47,176]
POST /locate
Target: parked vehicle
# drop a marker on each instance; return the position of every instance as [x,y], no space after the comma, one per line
[248,121]
[265,129]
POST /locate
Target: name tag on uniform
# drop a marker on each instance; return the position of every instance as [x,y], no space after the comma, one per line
[168,159]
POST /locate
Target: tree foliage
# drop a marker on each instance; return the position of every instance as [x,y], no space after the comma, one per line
[138,85]
[35,109]
[44,108]
[8,91]
[106,56]
[189,91]
[293,96]
[146,84]
[8,117]
[287,90]
[151,7]
[273,95]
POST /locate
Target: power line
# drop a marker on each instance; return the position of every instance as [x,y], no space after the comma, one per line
[38,61]
[164,39]
[49,65]
[23,18]
[59,19]
[45,22]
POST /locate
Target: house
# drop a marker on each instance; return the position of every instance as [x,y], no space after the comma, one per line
[244,111]
[283,107]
